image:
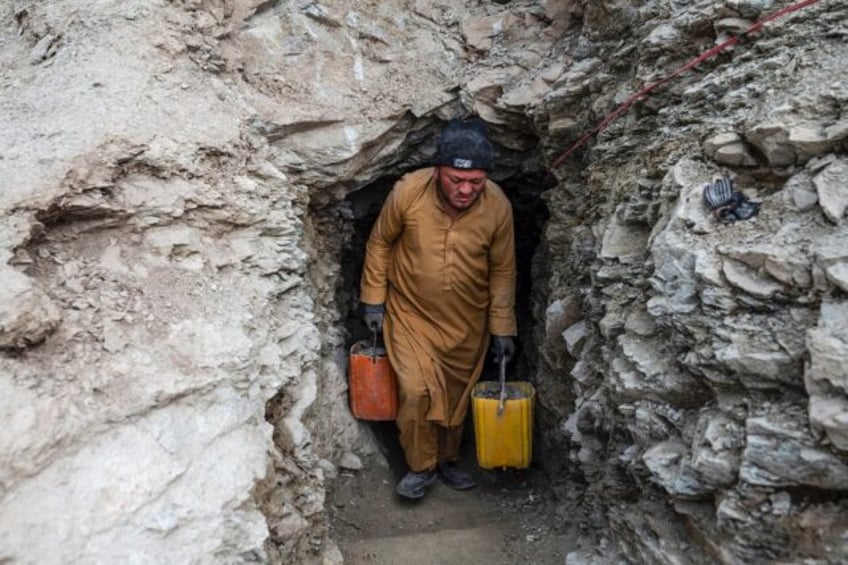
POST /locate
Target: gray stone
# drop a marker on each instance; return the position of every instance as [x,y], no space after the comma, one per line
[829,254]
[641,323]
[27,314]
[788,264]
[575,338]
[800,191]
[732,25]
[729,149]
[350,461]
[747,280]
[832,189]
[581,372]
[837,132]
[772,139]
[575,80]
[612,323]
[663,36]
[624,241]
[44,48]
[829,415]
[674,278]
[786,144]
[780,452]
[668,463]
[708,269]
[711,144]
[322,14]
[804,199]
[750,359]
[691,211]
[479,32]
[735,155]
[838,275]
[717,448]
[647,372]
[562,314]
[827,345]
[808,141]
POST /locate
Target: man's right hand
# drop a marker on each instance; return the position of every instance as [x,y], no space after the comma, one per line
[503,347]
[373,316]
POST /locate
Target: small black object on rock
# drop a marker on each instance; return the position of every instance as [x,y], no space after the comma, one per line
[728,205]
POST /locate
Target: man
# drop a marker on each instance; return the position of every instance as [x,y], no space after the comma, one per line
[438,280]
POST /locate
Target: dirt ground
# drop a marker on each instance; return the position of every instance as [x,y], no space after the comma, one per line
[510,517]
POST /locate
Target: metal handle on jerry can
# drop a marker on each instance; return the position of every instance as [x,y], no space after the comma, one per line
[502,396]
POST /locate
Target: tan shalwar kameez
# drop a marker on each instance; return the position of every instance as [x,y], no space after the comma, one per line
[447,285]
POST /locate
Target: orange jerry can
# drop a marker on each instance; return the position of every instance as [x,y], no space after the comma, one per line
[372,383]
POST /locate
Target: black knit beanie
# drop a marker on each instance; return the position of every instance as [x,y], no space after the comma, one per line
[464,144]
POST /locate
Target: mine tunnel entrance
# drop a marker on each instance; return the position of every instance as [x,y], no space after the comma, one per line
[514,515]
[524,188]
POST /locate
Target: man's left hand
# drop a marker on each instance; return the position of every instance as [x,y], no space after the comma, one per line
[503,347]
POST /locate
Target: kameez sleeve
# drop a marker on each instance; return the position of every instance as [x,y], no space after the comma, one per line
[378,251]
[502,274]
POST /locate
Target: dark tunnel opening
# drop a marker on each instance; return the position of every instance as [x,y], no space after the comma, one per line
[524,189]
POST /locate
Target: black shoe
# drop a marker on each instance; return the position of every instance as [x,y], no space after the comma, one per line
[456,478]
[414,485]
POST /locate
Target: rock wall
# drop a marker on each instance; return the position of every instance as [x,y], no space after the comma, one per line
[171,356]
[155,295]
[705,389]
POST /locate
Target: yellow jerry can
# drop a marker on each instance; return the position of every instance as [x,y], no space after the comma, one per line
[503,423]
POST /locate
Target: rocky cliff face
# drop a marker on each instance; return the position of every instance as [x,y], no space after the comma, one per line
[171,238]
[702,354]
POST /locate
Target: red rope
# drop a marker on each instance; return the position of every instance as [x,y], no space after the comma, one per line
[706,55]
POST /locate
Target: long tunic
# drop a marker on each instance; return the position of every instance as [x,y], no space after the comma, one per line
[448,283]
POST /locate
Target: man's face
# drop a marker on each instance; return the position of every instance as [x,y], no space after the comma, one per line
[460,187]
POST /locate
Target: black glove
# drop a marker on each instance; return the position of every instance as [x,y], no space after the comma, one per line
[373,316]
[503,347]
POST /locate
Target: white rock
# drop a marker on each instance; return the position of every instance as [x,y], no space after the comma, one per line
[804,199]
[331,554]
[711,144]
[668,463]
[623,241]
[350,461]
[479,32]
[691,211]
[827,345]
[747,280]
[27,315]
[830,415]
[735,155]
[662,36]
[330,471]
[780,452]
[786,263]
[750,359]
[717,448]
[581,372]
[575,337]
[561,314]
[641,323]
[808,141]
[772,139]
[837,132]
[832,189]
[838,275]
